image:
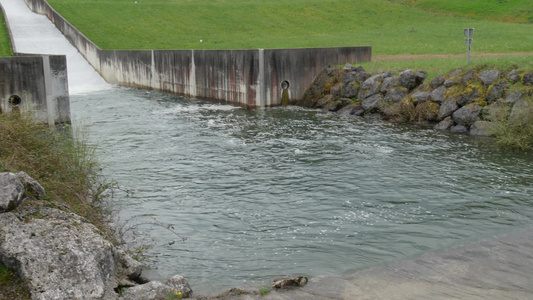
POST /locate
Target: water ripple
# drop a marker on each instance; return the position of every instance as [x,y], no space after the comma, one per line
[271,192]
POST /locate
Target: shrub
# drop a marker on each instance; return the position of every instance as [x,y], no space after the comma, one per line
[513,129]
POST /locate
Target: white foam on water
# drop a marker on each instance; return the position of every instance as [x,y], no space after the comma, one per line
[35,34]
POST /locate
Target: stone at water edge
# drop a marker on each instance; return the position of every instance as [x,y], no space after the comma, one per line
[372,102]
[480,128]
[14,188]
[447,108]
[445,124]
[288,282]
[155,290]
[58,254]
[467,114]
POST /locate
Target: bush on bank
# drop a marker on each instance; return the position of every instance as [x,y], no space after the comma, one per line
[481,101]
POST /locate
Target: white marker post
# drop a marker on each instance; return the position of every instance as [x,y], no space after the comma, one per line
[469,33]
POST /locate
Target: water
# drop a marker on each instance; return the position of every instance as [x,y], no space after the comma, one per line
[284,191]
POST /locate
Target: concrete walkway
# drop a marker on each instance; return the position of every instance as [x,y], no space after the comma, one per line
[496,269]
[35,34]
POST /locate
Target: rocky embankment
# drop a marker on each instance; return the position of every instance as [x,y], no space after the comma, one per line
[62,256]
[462,101]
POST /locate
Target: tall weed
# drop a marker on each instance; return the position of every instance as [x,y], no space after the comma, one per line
[513,129]
[63,162]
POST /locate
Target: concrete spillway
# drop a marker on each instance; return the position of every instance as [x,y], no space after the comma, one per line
[35,34]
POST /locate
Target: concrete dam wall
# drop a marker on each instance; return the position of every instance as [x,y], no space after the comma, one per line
[37,86]
[250,78]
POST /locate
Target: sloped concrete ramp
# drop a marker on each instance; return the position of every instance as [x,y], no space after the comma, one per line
[35,34]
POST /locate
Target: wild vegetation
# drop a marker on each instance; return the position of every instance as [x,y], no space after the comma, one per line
[11,286]
[62,162]
[389,27]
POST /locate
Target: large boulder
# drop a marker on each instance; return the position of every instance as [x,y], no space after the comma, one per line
[396,94]
[513,96]
[350,90]
[497,91]
[480,128]
[370,87]
[388,83]
[468,76]
[521,112]
[488,77]
[445,124]
[468,97]
[349,77]
[410,79]
[459,129]
[513,76]
[447,108]
[437,95]
[527,79]
[372,102]
[58,254]
[16,187]
[420,96]
[467,114]
[353,109]
[437,81]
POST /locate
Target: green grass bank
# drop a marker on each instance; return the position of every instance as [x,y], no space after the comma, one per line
[513,11]
[5,43]
[389,27]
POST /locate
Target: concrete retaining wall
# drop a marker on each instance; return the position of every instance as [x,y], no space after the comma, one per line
[250,78]
[36,85]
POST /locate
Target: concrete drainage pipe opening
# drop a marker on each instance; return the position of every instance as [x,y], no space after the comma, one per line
[15,100]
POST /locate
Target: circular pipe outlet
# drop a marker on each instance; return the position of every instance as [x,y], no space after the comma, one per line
[15,100]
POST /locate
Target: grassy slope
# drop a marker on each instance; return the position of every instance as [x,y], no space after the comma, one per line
[237,24]
[5,44]
[514,11]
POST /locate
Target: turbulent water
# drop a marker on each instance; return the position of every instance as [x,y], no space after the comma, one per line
[285,191]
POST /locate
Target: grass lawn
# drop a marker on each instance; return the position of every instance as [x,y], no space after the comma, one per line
[389,27]
[5,44]
[514,11]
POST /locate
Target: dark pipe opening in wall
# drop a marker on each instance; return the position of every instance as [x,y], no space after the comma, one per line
[285,85]
[15,100]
